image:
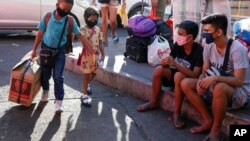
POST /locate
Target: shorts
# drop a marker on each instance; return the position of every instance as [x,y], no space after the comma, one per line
[239,98]
[169,83]
[113,3]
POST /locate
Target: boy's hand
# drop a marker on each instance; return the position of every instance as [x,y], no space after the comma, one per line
[170,61]
[164,61]
[199,89]
[33,54]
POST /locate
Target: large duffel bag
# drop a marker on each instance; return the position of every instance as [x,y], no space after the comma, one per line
[141,26]
[137,49]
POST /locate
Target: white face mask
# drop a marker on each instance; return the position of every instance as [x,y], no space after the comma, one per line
[181,40]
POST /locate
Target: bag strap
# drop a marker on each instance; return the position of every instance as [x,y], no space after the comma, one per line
[66,20]
[70,25]
[70,22]
[225,62]
[21,81]
[46,19]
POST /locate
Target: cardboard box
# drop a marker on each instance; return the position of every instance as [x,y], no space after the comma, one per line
[26,74]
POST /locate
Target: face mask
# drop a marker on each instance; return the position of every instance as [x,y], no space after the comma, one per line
[61,12]
[208,37]
[181,40]
[91,24]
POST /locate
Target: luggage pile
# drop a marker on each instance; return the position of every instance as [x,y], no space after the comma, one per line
[141,30]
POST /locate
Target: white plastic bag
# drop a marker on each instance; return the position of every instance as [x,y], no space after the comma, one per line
[157,50]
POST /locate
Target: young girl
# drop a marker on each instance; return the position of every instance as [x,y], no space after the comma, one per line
[89,62]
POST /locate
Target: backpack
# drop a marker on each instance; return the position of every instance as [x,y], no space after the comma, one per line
[137,49]
[165,31]
[68,46]
[141,26]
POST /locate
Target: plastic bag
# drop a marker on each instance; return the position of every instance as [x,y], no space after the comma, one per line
[158,50]
[123,15]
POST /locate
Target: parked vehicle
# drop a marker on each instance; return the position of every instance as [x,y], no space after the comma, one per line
[26,14]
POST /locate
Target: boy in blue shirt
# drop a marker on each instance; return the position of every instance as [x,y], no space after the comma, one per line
[50,33]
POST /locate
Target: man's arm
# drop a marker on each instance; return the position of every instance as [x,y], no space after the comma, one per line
[192,74]
[199,89]
[38,38]
[236,81]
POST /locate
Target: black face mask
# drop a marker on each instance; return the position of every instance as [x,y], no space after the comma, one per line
[61,12]
[91,24]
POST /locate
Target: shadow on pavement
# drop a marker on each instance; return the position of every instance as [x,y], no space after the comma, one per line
[106,120]
[19,122]
[52,128]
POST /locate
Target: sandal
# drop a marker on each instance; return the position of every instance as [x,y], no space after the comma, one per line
[86,101]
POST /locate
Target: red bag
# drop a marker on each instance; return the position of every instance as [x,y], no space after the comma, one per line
[169,22]
[153,14]
[79,59]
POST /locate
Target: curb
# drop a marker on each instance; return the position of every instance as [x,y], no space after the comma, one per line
[141,88]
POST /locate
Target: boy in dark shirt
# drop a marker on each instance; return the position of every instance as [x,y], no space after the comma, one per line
[184,61]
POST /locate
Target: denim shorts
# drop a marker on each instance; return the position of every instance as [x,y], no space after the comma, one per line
[239,98]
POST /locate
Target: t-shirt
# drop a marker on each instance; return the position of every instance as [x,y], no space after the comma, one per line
[194,59]
[238,59]
[54,29]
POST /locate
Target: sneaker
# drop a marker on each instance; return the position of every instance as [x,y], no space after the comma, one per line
[115,39]
[58,106]
[86,100]
[89,91]
[45,96]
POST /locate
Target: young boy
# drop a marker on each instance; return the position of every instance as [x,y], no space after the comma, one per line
[50,35]
[89,63]
[231,91]
[185,61]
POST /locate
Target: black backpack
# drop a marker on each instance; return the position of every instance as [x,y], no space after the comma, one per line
[165,31]
[137,48]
